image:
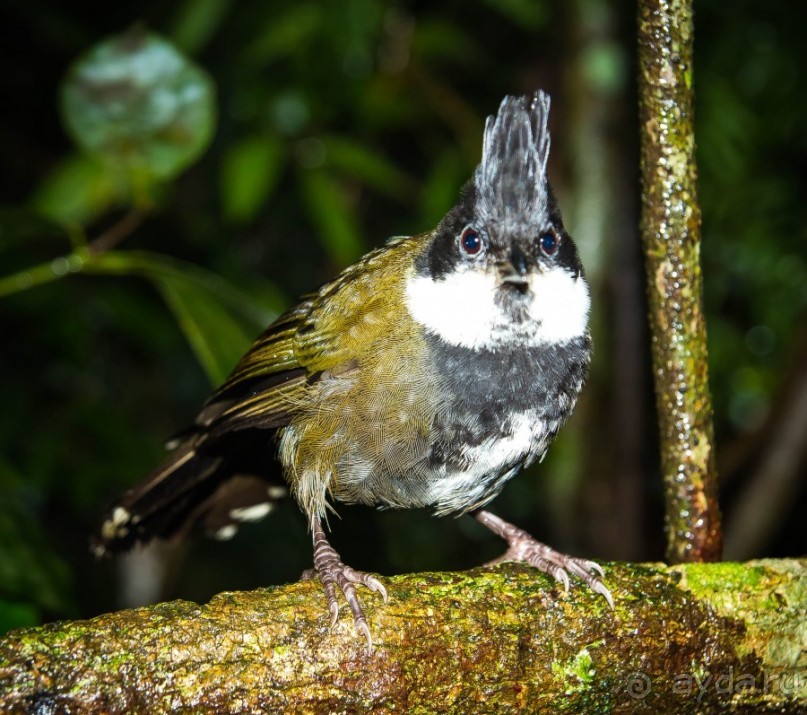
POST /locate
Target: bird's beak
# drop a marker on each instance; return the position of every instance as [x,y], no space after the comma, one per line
[514,270]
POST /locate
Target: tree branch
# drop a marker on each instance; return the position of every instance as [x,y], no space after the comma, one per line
[671,235]
[727,637]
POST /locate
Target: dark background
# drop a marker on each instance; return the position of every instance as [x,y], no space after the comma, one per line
[341,124]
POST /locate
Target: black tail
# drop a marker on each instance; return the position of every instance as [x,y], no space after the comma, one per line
[220,482]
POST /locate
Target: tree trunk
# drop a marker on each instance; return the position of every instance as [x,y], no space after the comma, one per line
[699,637]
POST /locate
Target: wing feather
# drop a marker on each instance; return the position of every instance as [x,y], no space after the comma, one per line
[271,382]
[218,467]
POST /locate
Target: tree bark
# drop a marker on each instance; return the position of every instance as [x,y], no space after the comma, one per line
[703,638]
[670,225]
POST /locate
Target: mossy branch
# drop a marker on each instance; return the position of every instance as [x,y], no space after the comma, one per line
[670,225]
[725,637]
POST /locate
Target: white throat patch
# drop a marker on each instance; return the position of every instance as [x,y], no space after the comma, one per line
[462,309]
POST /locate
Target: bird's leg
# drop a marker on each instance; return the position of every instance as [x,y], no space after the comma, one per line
[329,567]
[525,549]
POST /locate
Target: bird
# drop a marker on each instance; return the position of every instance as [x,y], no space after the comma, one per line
[425,375]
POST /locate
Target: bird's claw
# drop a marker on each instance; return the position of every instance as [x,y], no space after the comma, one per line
[525,549]
[334,573]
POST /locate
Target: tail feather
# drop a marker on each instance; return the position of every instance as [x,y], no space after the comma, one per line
[220,483]
[243,498]
[159,507]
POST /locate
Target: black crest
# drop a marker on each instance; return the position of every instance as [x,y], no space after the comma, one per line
[510,181]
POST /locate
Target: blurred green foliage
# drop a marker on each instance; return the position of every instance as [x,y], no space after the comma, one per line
[136,272]
[752,154]
[135,102]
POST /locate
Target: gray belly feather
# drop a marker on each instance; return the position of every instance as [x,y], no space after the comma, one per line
[501,410]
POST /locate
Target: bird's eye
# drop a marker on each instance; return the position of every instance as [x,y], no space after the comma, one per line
[471,241]
[549,242]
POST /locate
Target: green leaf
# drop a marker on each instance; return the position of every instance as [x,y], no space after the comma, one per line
[155,266]
[283,34]
[79,189]
[361,163]
[604,66]
[333,216]
[218,320]
[217,340]
[196,22]
[135,101]
[249,174]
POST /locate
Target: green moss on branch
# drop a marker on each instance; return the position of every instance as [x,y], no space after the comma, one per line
[726,636]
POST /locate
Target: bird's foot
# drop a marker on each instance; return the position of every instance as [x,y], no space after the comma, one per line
[525,549]
[334,573]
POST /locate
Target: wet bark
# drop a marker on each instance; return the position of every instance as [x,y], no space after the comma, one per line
[713,637]
[670,225]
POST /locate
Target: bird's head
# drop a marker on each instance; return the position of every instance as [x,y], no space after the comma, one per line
[500,269]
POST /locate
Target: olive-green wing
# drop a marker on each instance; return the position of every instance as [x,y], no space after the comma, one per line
[325,334]
[265,386]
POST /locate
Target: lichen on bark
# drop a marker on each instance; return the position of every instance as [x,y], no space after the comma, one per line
[727,637]
[670,226]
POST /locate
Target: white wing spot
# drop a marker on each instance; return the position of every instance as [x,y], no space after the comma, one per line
[226,532]
[115,526]
[256,512]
